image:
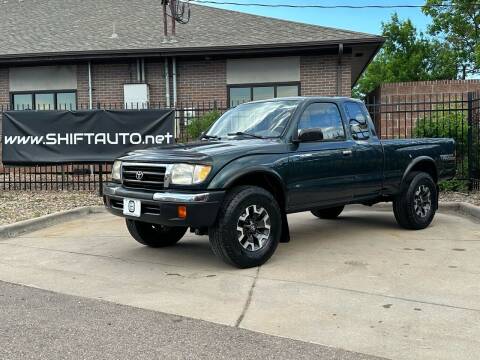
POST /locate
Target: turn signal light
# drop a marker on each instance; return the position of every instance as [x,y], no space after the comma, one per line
[182,212]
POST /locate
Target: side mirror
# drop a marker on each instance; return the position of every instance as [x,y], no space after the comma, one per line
[310,135]
[359,130]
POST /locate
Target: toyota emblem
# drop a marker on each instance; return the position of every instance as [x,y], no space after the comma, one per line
[139,175]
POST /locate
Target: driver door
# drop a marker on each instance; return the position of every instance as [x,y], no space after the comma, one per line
[321,171]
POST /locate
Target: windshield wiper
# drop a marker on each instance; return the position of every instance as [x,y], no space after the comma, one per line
[241,133]
[205,136]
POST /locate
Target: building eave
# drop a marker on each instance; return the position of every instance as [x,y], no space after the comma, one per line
[379,46]
[187,51]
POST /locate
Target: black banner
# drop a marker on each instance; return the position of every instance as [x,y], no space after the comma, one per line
[43,137]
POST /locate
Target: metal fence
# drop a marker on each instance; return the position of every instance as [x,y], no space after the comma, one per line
[453,115]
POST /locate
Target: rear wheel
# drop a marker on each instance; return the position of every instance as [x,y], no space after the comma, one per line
[415,206]
[330,213]
[154,235]
[248,229]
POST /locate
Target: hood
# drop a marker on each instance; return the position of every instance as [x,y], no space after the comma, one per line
[209,152]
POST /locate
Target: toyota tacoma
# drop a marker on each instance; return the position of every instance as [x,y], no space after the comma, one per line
[263,160]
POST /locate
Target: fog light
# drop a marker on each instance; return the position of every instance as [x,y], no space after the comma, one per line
[182,212]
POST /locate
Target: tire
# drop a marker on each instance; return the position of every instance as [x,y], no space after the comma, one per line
[155,236]
[330,213]
[247,232]
[414,208]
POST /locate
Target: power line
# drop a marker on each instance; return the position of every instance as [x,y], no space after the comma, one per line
[316,6]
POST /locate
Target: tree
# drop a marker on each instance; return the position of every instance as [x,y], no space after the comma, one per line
[407,56]
[458,23]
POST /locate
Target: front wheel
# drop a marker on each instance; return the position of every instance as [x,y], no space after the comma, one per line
[154,235]
[415,206]
[248,229]
[330,213]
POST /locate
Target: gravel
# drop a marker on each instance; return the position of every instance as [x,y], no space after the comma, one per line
[22,205]
[472,198]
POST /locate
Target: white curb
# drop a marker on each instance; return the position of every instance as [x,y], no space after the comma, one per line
[22,227]
[462,208]
[447,206]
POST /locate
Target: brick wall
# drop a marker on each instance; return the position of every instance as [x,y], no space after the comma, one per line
[202,81]
[4,102]
[155,78]
[4,87]
[404,103]
[197,81]
[318,75]
[429,89]
[108,81]
[82,85]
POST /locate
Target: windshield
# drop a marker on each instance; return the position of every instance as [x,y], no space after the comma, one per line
[263,119]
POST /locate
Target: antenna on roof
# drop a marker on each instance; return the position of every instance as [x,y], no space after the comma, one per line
[114,32]
[179,12]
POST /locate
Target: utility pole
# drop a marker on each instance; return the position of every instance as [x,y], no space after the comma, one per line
[173,7]
[165,24]
[179,12]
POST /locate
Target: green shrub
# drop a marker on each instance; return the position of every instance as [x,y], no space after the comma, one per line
[448,124]
[454,185]
[197,126]
[451,123]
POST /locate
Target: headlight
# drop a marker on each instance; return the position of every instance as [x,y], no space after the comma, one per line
[186,174]
[117,170]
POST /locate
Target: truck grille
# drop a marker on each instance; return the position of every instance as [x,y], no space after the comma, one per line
[143,176]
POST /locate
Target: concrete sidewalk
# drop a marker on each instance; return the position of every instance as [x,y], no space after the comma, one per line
[359,283]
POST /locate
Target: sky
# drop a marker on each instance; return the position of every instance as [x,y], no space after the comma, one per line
[363,20]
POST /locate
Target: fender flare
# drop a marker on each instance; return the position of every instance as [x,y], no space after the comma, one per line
[415,162]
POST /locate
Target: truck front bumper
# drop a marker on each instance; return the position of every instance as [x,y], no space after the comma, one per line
[162,207]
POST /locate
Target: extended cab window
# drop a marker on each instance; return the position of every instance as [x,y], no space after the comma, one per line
[356,112]
[324,116]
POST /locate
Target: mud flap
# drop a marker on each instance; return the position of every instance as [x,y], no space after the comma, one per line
[285,236]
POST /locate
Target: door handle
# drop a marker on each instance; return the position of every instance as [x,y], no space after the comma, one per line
[347,152]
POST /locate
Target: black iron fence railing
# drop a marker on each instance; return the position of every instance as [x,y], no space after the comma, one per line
[454,115]
[74,177]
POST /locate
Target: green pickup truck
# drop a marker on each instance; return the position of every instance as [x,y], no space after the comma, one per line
[263,160]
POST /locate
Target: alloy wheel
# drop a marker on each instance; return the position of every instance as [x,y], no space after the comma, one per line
[253,228]
[422,202]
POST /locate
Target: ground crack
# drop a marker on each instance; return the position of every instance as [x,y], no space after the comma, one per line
[249,299]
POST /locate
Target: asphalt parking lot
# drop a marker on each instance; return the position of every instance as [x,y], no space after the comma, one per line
[359,283]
